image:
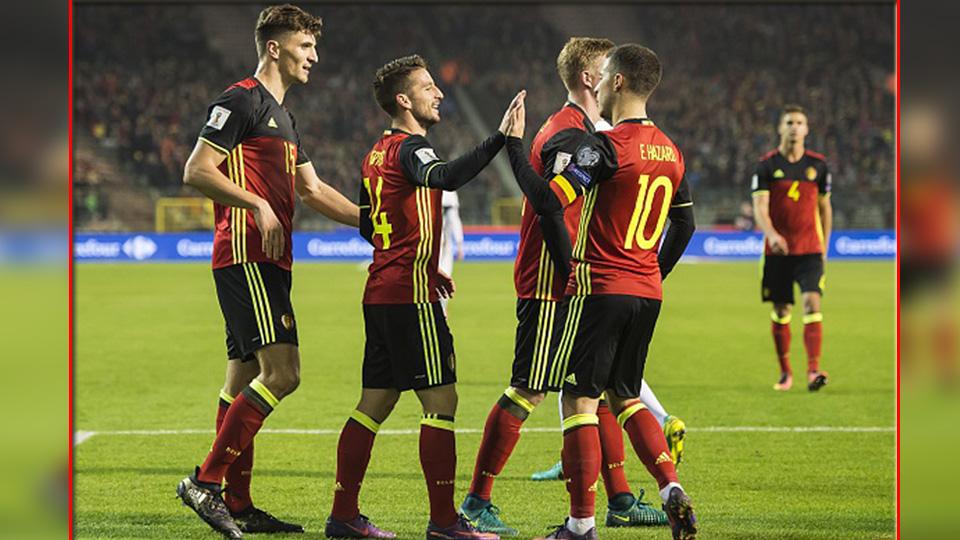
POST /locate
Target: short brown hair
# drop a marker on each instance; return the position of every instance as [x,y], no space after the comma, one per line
[576,56]
[275,21]
[391,80]
[639,66]
[791,108]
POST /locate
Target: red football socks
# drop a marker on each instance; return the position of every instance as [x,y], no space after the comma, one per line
[648,442]
[781,341]
[438,458]
[500,436]
[240,424]
[581,462]
[812,340]
[237,480]
[613,456]
[353,456]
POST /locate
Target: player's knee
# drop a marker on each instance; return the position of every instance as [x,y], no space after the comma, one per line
[535,398]
[782,310]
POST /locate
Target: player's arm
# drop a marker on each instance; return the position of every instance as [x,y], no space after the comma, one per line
[679,232]
[321,197]
[760,186]
[422,166]
[826,209]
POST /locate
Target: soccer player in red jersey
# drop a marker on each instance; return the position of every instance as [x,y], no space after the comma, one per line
[630,179]
[408,343]
[249,161]
[791,201]
[540,274]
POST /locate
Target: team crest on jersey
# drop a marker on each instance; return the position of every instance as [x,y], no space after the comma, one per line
[561,162]
[811,173]
[452,362]
[778,173]
[218,117]
[587,157]
[426,155]
[287,320]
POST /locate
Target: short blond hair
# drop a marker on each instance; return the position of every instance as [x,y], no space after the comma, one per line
[577,55]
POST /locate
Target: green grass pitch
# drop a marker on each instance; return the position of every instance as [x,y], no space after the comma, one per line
[150,356]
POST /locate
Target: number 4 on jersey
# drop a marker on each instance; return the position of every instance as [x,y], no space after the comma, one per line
[380,224]
[794,191]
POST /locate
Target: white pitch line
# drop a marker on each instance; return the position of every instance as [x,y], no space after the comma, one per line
[81,436]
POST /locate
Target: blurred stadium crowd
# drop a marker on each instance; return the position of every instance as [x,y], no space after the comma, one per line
[728,70]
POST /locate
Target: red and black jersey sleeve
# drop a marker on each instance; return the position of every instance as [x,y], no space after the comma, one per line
[824,180]
[760,182]
[302,157]
[594,161]
[229,119]
[417,159]
[423,168]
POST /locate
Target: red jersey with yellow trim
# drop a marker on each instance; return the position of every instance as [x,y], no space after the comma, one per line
[406,217]
[534,273]
[629,178]
[795,190]
[260,139]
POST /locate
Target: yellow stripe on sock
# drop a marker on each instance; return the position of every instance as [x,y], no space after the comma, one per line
[812,318]
[781,320]
[515,397]
[626,413]
[436,423]
[366,421]
[226,397]
[264,392]
[576,420]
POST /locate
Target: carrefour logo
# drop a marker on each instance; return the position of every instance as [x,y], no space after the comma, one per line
[139,248]
[882,245]
[733,247]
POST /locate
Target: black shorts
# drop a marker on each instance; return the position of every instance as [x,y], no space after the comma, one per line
[539,325]
[918,277]
[255,301]
[781,271]
[605,341]
[408,346]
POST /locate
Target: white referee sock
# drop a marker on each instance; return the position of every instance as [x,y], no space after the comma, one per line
[580,526]
[665,492]
[652,403]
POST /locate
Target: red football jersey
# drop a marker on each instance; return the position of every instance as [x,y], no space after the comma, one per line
[534,273]
[406,218]
[263,151]
[629,178]
[795,190]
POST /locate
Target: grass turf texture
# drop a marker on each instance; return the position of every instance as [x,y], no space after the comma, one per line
[150,356]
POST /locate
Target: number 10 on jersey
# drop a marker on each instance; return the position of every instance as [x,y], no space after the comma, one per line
[643,209]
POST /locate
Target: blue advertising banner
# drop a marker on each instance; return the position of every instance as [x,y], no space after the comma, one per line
[347,245]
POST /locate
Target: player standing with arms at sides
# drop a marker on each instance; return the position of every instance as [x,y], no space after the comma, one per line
[249,161]
[791,201]
[540,273]
[631,179]
[408,344]
[451,243]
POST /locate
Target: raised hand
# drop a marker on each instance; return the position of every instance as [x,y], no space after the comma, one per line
[508,115]
[518,117]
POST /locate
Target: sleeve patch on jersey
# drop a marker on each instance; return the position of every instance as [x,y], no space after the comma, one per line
[579,174]
[426,155]
[561,162]
[218,117]
[587,157]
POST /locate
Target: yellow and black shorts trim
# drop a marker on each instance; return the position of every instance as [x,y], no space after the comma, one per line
[255,302]
[539,324]
[576,421]
[408,347]
[438,421]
